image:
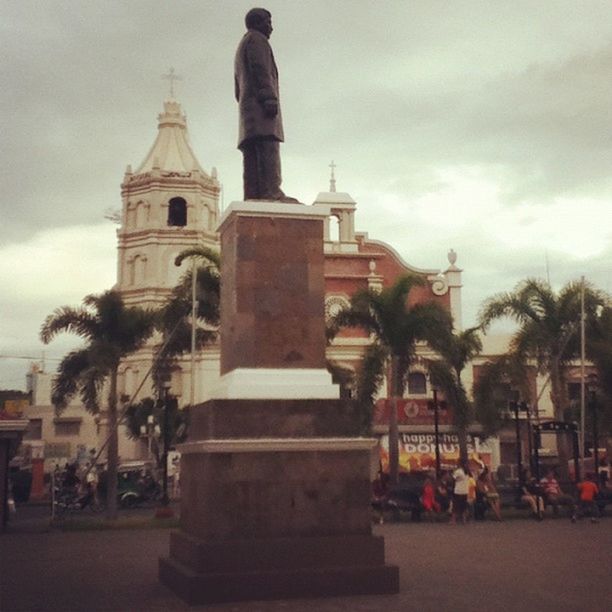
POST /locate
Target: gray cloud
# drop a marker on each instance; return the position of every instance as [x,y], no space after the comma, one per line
[395,92]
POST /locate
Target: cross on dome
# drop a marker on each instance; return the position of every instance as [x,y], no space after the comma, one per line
[332,180]
[172,77]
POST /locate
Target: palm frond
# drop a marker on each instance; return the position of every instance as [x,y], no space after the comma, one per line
[91,384]
[71,320]
[66,382]
[211,256]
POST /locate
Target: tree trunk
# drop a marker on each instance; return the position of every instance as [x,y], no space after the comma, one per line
[113,449]
[393,429]
[462,437]
[557,396]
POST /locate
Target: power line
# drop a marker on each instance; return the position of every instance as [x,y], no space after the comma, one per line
[38,358]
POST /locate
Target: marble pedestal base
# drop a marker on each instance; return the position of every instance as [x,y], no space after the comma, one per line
[275,504]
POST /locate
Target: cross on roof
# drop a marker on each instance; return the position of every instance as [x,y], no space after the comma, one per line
[332,180]
[171,76]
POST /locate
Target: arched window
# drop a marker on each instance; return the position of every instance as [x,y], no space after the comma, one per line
[131,215]
[334,228]
[141,214]
[417,385]
[177,212]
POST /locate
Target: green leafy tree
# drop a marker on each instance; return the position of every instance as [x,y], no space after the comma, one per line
[396,327]
[456,350]
[492,390]
[548,332]
[363,384]
[174,319]
[111,331]
[599,351]
[137,415]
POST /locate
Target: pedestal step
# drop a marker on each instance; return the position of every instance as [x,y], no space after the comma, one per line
[204,588]
[276,553]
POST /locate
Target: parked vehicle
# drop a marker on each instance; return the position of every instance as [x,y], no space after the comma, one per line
[137,484]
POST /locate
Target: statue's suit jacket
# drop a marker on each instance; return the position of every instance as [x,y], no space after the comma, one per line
[256,80]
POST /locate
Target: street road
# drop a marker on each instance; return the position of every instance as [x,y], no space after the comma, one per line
[516,565]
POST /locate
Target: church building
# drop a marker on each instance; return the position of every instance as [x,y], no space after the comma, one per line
[170,203]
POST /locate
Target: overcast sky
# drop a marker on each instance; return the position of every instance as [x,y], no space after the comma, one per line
[485,127]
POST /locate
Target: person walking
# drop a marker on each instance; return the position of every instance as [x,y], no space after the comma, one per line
[428,499]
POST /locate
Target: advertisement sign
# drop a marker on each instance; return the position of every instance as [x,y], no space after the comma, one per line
[417,452]
[16,407]
[411,412]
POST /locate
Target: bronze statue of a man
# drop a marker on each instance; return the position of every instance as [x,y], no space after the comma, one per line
[261,125]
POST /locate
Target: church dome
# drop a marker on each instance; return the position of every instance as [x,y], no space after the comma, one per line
[171,151]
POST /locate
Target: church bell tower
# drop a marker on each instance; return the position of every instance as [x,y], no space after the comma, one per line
[170,203]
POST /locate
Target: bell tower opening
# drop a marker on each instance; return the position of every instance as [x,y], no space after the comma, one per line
[177,212]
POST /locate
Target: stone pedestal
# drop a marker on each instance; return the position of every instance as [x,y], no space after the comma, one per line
[275,487]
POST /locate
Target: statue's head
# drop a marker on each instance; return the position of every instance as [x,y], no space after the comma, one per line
[259,19]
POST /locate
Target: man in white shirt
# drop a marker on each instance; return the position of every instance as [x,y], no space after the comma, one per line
[460,493]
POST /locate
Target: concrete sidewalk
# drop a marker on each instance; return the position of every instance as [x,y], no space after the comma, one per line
[518,565]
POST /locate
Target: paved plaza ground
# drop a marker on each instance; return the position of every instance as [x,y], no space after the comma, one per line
[514,565]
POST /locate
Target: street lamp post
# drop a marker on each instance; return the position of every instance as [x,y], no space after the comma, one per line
[592,384]
[435,407]
[149,431]
[518,406]
[164,511]
[166,434]
[519,451]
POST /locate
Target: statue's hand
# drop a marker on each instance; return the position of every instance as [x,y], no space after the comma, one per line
[270,108]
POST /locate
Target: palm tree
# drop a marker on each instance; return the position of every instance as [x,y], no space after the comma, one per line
[548,333]
[111,332]
[174,318]
[456,350]
[492,387]
[396,327]
[600,348]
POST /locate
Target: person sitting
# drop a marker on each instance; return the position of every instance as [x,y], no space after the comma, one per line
[487,489]
[555,496]
[379,495]
[589,491]
[532,495]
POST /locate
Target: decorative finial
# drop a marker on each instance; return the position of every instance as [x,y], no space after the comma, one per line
[452,257]
[171,76]
[332,180]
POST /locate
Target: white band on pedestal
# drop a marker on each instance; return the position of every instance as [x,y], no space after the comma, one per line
[268,383]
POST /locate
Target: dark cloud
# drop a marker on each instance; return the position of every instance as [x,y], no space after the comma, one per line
[396,92]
